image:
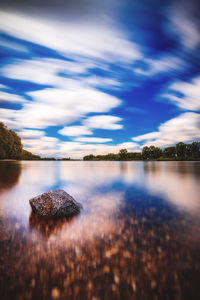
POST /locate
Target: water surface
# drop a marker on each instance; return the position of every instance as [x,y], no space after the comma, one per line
[138,236]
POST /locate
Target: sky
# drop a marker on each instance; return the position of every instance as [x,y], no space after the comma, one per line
[89,76]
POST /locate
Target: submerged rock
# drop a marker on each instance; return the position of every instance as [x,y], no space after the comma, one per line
[55,203]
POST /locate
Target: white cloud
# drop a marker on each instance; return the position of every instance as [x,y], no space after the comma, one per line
[161,65]
[71,105]
[53,107]
[103,122]
[90,40]
[84,100]
[8,116]
[98,81]
[13,46]
[3,86]
[190,91]
[45,70]
[95,122]
[184,23]
[75,131]
[74,98]
[44,145]
[92,140]
[130,146]
[31,134]
[184,128]
[8,97]
[147,136]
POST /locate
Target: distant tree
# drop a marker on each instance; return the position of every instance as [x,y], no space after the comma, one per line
[151,152]
[111,156]
[16,146]
[123,154]
[89,157]
[169,152]
[193,150]
[155,152]
[145,152]
[99,157]
[11,146]
[26,155]
[48,158]
[10,143]
[134,156]
[181,150]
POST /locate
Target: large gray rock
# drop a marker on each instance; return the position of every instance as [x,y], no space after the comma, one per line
[55,203]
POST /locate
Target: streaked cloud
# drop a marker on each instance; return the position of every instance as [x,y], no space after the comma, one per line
[71,38]
[45,70]
[53,107]
[97,81]
[44,145]
[8,45]
[107,122]
[160,65]
[147,136]
[75,131]
[92,140]
[187,94]
[103,122]
[184,128]
[31,134]
[8,97]
[184,22]
[3,86]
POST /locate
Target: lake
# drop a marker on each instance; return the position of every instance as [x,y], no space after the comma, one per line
[137,237]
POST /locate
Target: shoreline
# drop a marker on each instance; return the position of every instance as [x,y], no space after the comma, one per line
[9,159]
[147,160]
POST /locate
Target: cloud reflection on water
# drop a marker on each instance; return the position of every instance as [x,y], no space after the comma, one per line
[95,185]
[177,182]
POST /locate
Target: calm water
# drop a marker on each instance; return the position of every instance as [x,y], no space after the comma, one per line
[138,236]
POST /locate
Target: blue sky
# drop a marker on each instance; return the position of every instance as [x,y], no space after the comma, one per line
[80,77]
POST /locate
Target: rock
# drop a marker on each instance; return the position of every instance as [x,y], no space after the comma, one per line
[55,203]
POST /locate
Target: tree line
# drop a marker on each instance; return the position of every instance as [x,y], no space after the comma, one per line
[179,152]
[11,146]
